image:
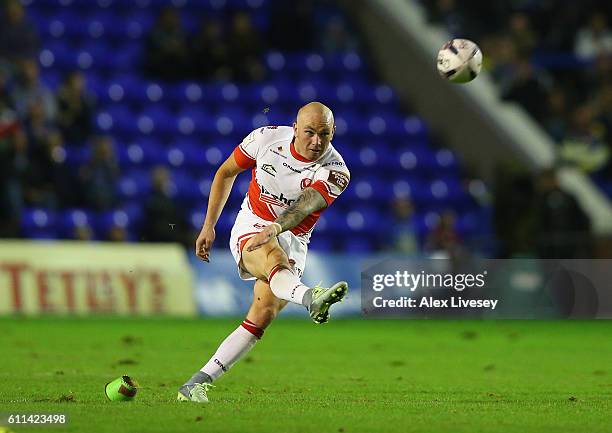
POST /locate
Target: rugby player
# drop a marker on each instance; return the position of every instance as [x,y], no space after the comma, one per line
[296,174]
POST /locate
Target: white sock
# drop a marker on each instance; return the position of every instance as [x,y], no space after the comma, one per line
[285,284]
[234,347]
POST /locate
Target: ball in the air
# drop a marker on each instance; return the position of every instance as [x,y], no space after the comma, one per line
[459,60]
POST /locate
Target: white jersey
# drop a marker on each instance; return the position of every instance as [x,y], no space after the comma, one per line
[279,174]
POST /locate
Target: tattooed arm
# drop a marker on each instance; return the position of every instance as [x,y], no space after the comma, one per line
[309,201]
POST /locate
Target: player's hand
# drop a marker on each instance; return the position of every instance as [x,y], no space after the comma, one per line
[264,236]
[204,243]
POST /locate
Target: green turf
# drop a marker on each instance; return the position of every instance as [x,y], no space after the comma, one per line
[347,376]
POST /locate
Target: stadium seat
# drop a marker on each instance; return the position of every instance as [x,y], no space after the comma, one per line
[157,120]
[106,220]
[185,93]
[70,219]
[195,120]
[134,185]
[39,223]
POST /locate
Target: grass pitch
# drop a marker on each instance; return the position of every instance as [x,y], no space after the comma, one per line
[348,376]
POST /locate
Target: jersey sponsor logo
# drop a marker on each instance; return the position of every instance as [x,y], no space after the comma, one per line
[305,183]
[278,153]
[269,168]
[335,163]
[338,178]
[272,127]
[291,168]
[278,200]
[259,226]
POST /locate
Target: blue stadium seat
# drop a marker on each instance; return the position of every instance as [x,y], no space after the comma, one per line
[185,93]
[104,222]
[107,92]
[101,24]
[59,56]
[157,119]
[132,88]
[346,63]
[468,224]
[276,62]
[384,95]
[195,120]
[70,219]
[134,211]
[334,220]
[371,189]
[350,124]
[424,222]
[414,159]
[65,24]
[134,185]
[312,88]
[87,57]
[39,223]
[128,57]
[222,93]
[384,123]
[140,22]
[196,217]
[116,118]
[415,128]
[186,189]
[445,162]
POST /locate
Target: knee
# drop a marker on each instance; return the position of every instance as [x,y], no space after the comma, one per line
[264,315]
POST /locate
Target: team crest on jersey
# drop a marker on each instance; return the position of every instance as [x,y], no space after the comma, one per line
[338,178]
[269,168]
[305,183]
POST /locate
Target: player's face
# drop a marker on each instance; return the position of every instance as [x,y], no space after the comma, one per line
[312,136]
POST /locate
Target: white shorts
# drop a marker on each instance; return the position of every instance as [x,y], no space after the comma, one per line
[248,225]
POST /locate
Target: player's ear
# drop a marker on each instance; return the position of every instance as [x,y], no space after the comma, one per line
[332,133]
[295,128]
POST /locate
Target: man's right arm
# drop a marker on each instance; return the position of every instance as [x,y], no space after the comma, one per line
[219,192]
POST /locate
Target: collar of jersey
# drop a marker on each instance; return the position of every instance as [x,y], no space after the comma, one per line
[296,155]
